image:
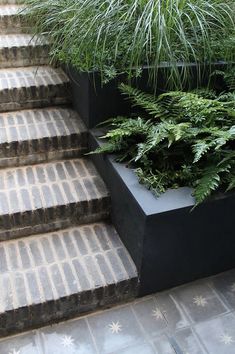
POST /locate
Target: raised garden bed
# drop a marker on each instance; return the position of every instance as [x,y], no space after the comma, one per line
[96,103]
[169,243]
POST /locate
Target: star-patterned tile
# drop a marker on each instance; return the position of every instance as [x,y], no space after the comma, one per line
[163,345]
[71,337]
[199,301]
[173,313]
[224,284]
[218,334]
[196,318]
[115,329]
[21,344]
[142,348]
[150,317]
[188,342]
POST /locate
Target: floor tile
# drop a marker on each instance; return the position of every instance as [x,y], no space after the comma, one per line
[224,284]
[23,344]
[149,316]
[218,335]
[137,349]
[188,342]
[199,301]
[115,330]
[171,310]
[191,319]
[163,345]
[69,338]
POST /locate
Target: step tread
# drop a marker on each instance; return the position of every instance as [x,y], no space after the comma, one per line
[20,40]
[55,265]
[35,76]
[10,9]
[88,263]
[33,87]
[36,124]
[77,180]
[39,135]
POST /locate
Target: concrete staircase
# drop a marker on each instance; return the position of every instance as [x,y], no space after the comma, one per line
[59,254]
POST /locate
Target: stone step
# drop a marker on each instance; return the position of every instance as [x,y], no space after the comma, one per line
[39,135]
[22,50]
[22,88]
[51,196]
[11,2]
[53,276]
[12,18]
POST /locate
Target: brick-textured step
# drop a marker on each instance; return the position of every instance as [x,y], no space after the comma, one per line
[22,50]
[12,18]
[11,2]
[51,196]
[38,135]
[62,274]
[33,87]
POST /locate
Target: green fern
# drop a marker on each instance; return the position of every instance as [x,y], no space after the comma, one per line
[178,139]
[209,181]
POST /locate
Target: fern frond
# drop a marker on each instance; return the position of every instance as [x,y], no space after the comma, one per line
[146,101]
[191,143]
[231,184]
[199,149]
[209,182]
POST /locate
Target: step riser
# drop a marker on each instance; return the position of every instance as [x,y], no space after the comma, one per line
[36,158]
[12,24]
[41,135]
[33,87]
[51,219]
[34,97]
[13,57]
[30,152]
[66,308]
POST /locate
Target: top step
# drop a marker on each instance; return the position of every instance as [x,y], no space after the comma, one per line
[12,19]
[11,2]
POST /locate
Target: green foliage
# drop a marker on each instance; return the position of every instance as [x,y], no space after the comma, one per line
[126,35]
[177,139]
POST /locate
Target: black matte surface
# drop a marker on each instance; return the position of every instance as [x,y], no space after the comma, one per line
[96,102]
[170,243]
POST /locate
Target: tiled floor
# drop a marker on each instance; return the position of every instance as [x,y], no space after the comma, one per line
[198,318]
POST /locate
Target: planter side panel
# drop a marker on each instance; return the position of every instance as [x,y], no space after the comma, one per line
[96,102]
[93,102]
[127,217]
[183,245]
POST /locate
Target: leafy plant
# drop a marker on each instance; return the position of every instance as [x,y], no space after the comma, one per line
[125,35]
[177,139]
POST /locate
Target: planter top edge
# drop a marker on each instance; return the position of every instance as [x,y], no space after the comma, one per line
[149,203]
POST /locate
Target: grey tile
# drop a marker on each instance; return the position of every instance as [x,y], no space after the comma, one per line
[224,284]
[23,344]
[186,342]
[149,316]
[72,337]
[163,346]
[136,349]
[115,330]
[199,301]
[218,335]
[172,311]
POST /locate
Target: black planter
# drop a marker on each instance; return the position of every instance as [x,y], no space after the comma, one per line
[96,103]
[169,243]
